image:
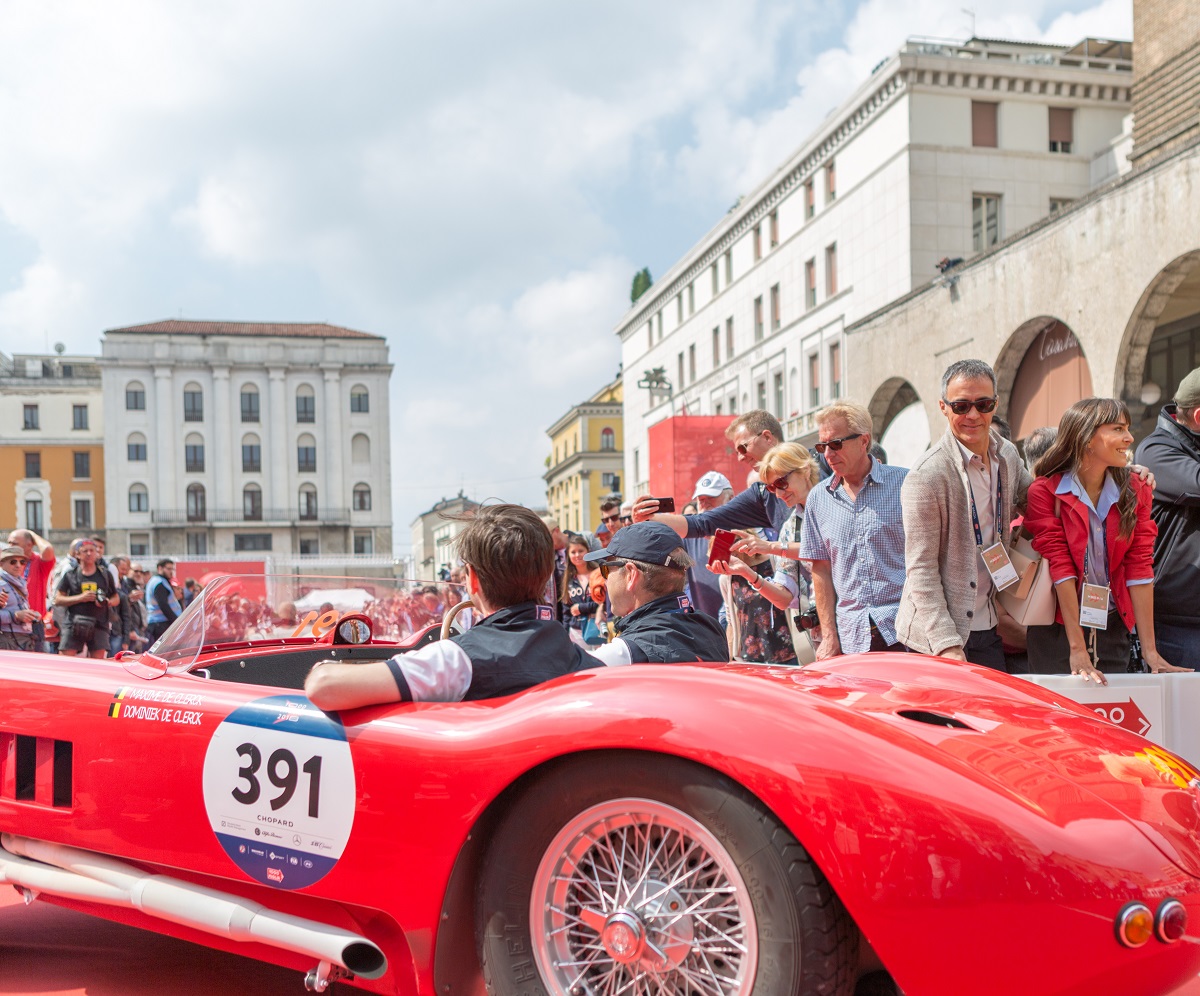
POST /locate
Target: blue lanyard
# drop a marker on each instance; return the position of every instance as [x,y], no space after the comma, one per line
[975,511]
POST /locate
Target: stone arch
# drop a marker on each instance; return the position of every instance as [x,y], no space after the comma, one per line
[1181,275]
[1041,370]
[897,406]
[890,398]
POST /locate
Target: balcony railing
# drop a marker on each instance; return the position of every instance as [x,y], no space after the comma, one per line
[210,516]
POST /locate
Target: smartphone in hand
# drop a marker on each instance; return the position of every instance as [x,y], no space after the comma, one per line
[722,543]
[666,504]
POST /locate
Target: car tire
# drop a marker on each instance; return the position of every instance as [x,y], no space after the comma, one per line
[711,884]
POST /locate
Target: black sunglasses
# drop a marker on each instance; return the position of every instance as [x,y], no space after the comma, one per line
[779,483]
[835,444]
[610,518]
[608,566]
[743,447]
[981,405]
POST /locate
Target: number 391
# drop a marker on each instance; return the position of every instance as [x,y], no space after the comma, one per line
[286,780]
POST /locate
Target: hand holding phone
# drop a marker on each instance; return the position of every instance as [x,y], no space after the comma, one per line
[722,543]
[666,504]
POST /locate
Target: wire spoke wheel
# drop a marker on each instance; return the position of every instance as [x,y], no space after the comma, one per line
[634,896]
[636,874]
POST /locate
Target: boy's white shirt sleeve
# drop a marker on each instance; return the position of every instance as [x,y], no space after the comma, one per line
[612,654]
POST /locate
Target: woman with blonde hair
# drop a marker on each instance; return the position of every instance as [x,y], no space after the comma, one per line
[766,594]
[1090,518]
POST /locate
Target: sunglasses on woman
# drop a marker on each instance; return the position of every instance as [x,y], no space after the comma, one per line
[835,444]
[779,483]
[981,405]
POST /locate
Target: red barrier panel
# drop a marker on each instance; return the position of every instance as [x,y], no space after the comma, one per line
[684,448]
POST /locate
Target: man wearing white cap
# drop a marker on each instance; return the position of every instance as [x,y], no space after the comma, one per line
[712,491]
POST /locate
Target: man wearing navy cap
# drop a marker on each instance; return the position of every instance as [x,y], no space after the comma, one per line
[646,568]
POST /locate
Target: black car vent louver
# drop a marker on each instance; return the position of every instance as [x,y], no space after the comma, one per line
[36,769]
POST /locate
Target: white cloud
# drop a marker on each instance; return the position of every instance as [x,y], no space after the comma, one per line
[1111,19]
[736,151]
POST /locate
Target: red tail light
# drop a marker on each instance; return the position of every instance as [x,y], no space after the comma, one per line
[1170,923]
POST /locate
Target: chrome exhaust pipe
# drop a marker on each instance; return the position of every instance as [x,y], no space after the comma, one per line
[40,866]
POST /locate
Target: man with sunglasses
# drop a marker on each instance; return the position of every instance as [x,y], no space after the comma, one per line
[752,436]
[959,501]
[610,515]
[646,570]
[854,535]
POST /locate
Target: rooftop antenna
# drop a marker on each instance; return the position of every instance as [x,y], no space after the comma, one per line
[59,348]
[970,12]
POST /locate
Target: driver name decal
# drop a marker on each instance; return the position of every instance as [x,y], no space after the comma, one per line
[279,790]
[155,706]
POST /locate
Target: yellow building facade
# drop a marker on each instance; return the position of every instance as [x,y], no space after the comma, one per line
[586,458]
[51,446]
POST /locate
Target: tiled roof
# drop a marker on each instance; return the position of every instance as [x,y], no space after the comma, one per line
[291,330]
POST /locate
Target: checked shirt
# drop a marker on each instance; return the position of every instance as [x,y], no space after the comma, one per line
[863,540]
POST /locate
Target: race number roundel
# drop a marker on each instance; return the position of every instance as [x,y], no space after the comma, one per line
[279,790]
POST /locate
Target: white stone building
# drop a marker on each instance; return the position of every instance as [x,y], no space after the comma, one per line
[941,154]
[247,438]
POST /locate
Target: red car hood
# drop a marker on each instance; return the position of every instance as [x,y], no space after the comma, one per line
[1034,744]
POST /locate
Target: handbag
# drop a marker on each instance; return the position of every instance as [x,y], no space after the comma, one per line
[1031,601]
[591,633]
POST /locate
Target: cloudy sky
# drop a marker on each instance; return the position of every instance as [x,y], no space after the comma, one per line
[476,182]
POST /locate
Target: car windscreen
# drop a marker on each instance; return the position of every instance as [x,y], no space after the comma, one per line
[292,610]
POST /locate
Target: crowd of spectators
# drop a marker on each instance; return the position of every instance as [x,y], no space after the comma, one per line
[82,603]
[874,557]
[835,551]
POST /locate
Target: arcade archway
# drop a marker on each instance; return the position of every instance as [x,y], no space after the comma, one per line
[900,421]
[1162,340]
[1041,372]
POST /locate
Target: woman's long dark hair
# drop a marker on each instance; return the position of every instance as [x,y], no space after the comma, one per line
[1075,431]
[573,539]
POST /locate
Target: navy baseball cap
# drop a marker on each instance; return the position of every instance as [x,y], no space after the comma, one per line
[649,542]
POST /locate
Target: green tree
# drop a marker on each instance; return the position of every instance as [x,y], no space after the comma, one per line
[641,283]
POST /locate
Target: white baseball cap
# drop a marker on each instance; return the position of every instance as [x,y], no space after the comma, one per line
[712,484]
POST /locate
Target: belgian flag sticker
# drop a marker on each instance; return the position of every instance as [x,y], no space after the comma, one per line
[114,709]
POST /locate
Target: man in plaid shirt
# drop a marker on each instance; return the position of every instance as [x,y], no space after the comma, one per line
[854,535]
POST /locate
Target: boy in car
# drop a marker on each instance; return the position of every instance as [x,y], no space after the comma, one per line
[515,642]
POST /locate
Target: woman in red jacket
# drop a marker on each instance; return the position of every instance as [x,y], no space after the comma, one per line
[1090,518]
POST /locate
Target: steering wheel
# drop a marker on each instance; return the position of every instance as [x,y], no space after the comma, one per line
[448,619]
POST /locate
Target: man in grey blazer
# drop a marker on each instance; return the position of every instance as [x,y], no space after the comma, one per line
[958,501]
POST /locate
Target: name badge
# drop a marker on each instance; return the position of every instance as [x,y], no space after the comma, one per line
[1093,606]
[995,559]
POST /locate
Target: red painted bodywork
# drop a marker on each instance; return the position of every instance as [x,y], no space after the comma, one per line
[1000,852]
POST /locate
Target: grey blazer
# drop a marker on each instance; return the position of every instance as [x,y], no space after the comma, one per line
[939,544]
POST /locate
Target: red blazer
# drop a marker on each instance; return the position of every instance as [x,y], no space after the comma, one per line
[1061,539]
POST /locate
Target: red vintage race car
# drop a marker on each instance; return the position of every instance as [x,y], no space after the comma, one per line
[707,829]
